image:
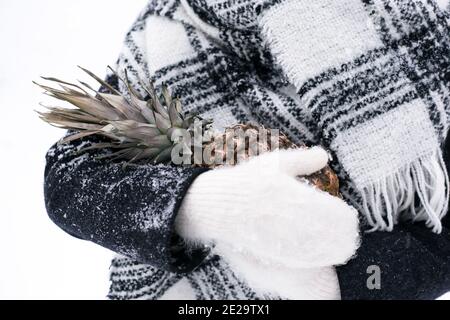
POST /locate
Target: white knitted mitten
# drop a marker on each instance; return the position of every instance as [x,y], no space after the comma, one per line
[260,208]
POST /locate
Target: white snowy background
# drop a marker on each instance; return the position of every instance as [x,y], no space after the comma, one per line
[47,37]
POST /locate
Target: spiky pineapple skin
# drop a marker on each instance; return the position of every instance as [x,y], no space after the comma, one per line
[325,179]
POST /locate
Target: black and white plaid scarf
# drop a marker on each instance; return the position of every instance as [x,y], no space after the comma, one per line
[369,79]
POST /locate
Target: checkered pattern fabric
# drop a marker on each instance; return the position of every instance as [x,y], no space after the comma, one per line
[369,79]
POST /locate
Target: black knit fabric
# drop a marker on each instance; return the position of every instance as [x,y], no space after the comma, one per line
[414,264]
[129,211]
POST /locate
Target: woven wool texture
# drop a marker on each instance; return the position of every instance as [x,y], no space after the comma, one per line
[363,74]
[367,79]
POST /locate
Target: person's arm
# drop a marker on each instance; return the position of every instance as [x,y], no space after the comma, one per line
[130,211]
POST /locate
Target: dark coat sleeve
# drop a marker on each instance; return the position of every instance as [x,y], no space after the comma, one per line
[414,263]
[130,211]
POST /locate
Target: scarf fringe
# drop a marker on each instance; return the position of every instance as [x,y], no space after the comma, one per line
[417,192]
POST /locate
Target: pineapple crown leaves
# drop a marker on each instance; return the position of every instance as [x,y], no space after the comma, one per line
[139,128]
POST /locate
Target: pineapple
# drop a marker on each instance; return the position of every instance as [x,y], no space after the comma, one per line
[264,140]
[154,128]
